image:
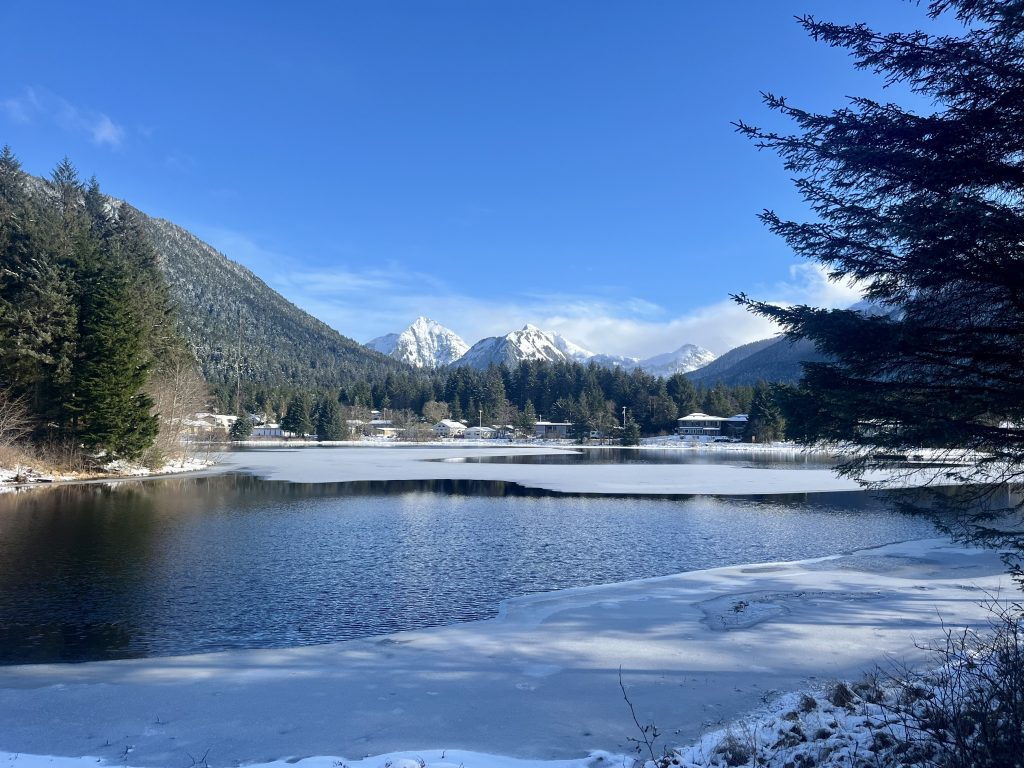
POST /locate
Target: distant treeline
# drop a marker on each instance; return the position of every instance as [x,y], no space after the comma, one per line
[590,396]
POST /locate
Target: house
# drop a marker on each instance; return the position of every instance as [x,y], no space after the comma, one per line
[552,430]
[269,431]
[449,428]
[699,426]
[481,433]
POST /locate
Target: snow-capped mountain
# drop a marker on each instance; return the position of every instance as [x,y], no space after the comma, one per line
[529,343]
[424,344]
[570,349]
[688,357]
[615,361]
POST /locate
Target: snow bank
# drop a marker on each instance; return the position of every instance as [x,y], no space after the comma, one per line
[539,683]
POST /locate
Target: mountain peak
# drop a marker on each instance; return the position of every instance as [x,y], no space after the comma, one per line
[424,344]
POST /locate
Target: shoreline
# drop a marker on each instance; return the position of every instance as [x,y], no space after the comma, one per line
[538,682]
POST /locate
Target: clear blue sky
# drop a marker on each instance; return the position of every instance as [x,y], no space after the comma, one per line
[485,162]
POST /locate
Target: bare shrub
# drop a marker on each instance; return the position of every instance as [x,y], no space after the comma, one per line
[15,423]
[968,713]
[178,391]
[840,695]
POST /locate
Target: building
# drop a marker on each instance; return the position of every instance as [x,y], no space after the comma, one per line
[699,426]
[481,433]
[269,431]
[735,426]
[449,428]
[552,430]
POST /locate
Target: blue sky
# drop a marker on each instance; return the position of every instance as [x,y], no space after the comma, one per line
[483,162]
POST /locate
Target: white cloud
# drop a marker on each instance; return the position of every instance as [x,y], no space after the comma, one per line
[367,302]
[106,131]
[40,105]
[16,110]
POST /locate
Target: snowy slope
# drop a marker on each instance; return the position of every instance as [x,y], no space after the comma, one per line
[529,343]
[688,357]
[571,350]
[385,344]
[424,344]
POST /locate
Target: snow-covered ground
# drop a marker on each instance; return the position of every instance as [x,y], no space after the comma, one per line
[12,477]
[539,683]
[402,461]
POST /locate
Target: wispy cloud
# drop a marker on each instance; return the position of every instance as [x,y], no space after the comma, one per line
[367,302]
[39,105]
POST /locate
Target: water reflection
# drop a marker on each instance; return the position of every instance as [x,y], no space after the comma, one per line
[208,563]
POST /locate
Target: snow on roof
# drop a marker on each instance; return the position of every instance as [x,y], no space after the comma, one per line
[700,417]
[450,424]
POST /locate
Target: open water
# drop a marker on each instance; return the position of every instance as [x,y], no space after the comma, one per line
[187,565]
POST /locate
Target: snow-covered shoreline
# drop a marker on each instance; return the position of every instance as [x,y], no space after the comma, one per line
[538,683]
[18,477]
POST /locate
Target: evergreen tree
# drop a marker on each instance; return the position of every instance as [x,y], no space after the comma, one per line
[765,422]
[242,428]
[297,418]
[631,433]
[112,409]
[37,304]
[528,420]
[926,210]
[329,425]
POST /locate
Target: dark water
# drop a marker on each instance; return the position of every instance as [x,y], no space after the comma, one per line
[209,563]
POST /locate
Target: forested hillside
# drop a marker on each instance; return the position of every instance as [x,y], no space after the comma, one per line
[776,360]
[238,326]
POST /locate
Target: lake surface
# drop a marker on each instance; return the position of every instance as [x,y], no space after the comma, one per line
[186,565]
[613,455]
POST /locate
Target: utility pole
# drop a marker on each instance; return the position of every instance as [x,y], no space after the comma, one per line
[481,418]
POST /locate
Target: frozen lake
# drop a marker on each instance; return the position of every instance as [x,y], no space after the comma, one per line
[187,565]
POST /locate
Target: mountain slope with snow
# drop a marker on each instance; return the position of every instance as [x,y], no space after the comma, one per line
[528,343]
[531,343]
[688,357]
[424,344]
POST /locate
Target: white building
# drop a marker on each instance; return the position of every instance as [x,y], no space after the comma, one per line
[449,428]
[481,433]
[699,426]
